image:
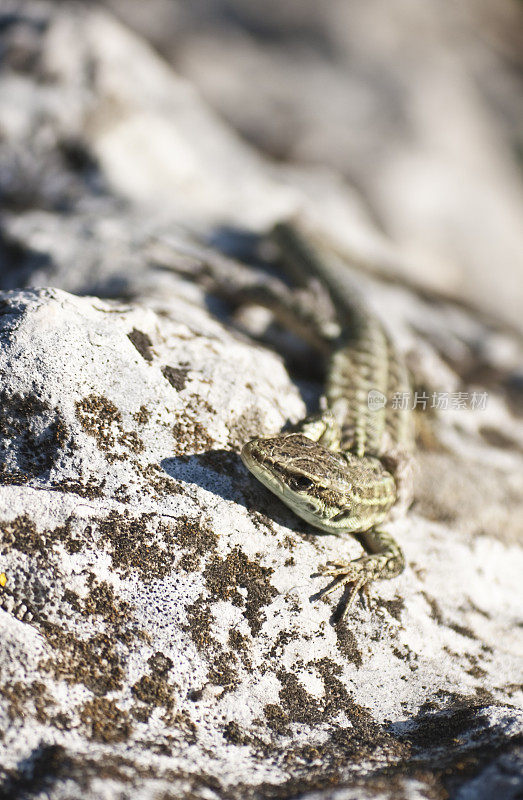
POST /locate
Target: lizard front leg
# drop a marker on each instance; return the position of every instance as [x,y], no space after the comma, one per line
[321,428]
[384,560]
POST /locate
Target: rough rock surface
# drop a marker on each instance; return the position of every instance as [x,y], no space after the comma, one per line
[160,637]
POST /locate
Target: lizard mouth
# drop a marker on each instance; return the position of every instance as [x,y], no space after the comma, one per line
[251,455]
[255,461]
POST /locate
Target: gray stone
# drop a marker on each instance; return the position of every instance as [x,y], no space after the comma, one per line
[159,628]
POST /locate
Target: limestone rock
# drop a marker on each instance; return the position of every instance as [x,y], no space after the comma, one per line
[160,633]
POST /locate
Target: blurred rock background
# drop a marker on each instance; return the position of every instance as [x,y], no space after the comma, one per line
[418,105]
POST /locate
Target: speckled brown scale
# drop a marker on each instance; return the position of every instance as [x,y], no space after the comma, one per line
[344,470]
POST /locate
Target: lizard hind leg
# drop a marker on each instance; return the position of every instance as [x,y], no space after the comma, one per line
[384,560]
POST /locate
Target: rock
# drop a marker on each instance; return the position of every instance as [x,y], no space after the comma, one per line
[157,603]
[418,105]
[160,632]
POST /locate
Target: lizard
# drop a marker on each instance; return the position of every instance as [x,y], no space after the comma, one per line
[348,468]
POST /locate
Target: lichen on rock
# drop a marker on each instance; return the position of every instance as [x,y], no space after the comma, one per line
[160,636]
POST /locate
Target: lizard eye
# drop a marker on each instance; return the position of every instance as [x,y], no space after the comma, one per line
[301,483]
[342,516]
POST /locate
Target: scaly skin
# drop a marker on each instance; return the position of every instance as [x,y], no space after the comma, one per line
[346,470]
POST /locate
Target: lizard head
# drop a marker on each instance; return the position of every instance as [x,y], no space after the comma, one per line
[336,492]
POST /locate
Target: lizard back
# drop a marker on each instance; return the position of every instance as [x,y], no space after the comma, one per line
[363,360]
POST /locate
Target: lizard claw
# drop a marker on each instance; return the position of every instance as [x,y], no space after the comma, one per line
[346,603]
[343,574]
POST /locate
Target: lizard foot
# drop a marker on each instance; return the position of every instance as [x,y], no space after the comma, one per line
[385,560]
[352,573]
